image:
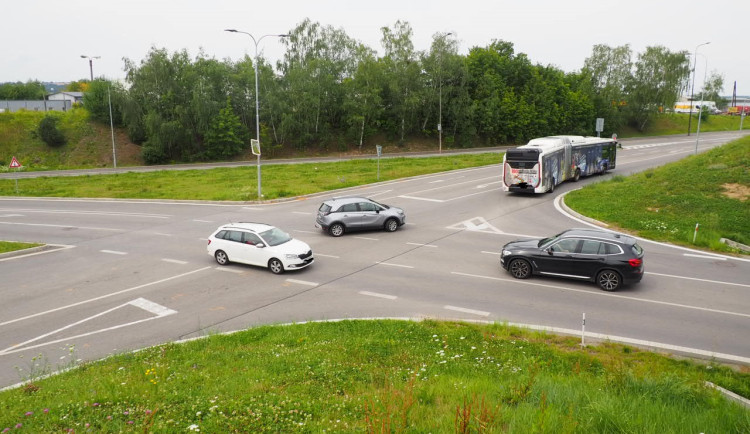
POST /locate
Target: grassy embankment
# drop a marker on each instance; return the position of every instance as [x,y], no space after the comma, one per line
[711,189]
[382,376]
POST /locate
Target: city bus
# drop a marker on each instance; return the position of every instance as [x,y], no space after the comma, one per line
[543,163]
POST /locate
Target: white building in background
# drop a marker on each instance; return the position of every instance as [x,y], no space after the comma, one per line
[73,97]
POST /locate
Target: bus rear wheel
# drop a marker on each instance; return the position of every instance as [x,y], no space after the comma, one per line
[577,175]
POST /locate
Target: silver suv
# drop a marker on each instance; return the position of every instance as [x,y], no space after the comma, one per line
[344,214]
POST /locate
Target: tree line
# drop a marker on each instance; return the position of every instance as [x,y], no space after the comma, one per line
[331,92]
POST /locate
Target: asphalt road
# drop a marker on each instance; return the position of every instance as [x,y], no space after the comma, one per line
[130,274]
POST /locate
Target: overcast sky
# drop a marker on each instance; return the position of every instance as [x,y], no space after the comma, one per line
[44,39]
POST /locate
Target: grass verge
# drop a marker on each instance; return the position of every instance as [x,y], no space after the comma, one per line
[11,246]
[240,184]
[382,376]
[711,189]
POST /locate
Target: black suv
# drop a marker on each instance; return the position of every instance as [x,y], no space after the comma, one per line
[607,258]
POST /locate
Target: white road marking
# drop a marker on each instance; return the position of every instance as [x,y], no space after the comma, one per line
[491,253]
[63,226]
[301,212]
[307,232]
[704,256]
[421,245]
[699,280]
[479,224]
[326,256]
[12,215]
[174,261]
[149,306]
[464,310]
[230,270]
[162,234]
[302,282]
[394,265]
[365,238]
[604,294]
[435,182]
[375,294]
[203,221]
[104,213]
[152,307]
[114,252]
[422,198]
[135,288]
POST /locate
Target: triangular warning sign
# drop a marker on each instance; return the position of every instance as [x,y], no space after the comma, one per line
[14,164]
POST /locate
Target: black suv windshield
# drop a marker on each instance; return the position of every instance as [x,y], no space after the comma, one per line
[275,236]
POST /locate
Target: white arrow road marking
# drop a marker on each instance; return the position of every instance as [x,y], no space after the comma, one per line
[158,310]
[479,224]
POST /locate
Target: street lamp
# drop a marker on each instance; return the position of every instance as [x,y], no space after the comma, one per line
[440,92]
[91,63]
[692,90]
[257,106]
[698,132]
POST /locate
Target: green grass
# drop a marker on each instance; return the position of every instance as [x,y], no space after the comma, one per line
[382,376]
[240,184]
[10,246]
[711,189]
[677,123]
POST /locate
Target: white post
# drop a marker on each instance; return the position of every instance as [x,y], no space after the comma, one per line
[695,233]
[583,330]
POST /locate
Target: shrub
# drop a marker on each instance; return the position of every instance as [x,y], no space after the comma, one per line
[49,133]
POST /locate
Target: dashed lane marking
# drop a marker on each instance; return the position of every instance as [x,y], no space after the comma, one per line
[302,282]
[114,252]
[465,310]
[375,294]
[174,261]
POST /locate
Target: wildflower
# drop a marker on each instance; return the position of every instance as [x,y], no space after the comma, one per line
[193,427]
[109,417]
[130,422]
[29,413]
[148,411]
[46,410]
[96,404]
[6,430]
[19,425]
[87,425]
[126,412]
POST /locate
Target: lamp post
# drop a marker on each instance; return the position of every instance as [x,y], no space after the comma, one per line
[91,63]
[692,90]
[257,106]
[698,132]
[440,92]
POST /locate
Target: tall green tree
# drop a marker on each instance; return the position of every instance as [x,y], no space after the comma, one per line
[226,136]
[97,101]
[655,83]
[608,71]
[403,75]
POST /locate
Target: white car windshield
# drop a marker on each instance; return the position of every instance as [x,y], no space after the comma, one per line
[275,236]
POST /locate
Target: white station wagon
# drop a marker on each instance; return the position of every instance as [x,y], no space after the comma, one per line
[259,244]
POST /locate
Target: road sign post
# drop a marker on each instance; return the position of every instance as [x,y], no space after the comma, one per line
[599,126]
[14,164]
[255,147]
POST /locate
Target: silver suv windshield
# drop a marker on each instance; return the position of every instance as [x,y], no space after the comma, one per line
[275,236]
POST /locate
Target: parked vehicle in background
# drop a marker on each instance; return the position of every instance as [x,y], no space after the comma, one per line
[608,258]
[543,163]
[345,214]
[695,107]
[259,244]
